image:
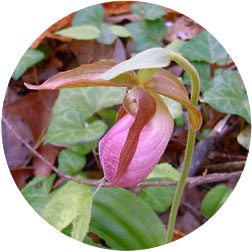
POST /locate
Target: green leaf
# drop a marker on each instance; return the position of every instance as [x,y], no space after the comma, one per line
[228,94]
[108,116]
[36,192]
[30,58]
[70,204]
[148,11]
[124,221]
[175,45]
[92,15]
[84,32]
[214,200]
[174,107]
[119,31]
[244,137]
[70,162]
[82,149]
[106,36]
[204,47]
[147,34]
[70,127]
[159,198]
[151,58]
[204,74]
[73,107]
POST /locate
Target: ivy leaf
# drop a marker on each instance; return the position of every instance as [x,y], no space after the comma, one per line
[70,204]
[175,45]
[244,137]
[205,47]
[125,221]
[119,31]
[29,59]
[148,11]
[36,192]
[228,94]
[73,107]
[204,74]
[70,162]
[83,32]
[214,200]
[92,15]
[174,107]
[147,33]
[159,198]
[106,36]
[108,116]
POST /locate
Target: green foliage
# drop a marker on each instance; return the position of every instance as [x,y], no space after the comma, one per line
[148,11]
[175,45]
[37,192]
[108,116]
[83,32]
[70,204]
[147,33]
[204,47]
[106,36]
[119,31]
[228,94]
[72,109]
[124,221]
[174,107]
[203,134]
[159,198]
[70,162]
[29,59]
[204,74]
[214,200]
[244,137]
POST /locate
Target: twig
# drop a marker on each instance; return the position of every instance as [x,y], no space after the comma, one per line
[191,182]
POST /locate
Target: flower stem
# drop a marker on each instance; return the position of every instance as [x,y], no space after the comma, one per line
[195,82]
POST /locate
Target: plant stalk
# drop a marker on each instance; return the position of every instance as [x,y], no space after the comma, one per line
[195,83]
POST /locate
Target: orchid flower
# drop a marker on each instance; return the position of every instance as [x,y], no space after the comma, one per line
[133,146]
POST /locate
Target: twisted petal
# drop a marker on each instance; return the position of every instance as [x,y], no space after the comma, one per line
[152,142]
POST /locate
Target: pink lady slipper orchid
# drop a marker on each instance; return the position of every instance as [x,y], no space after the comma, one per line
[133,146]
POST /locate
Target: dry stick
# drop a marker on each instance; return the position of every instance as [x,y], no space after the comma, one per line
[193,181]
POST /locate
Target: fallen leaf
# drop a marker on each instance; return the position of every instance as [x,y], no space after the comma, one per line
[20,176]
[183,28]
[117,7]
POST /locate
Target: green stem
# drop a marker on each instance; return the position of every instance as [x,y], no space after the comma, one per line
[194,77]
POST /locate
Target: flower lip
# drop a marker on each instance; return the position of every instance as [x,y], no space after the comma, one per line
[149,147]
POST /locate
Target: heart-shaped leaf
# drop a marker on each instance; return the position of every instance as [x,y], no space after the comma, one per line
[84,32]
[119,31]
[125,221]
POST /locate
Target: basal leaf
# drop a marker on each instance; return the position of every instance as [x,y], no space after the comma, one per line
[151,58]
[148,11]
[124,221]
[214,200]
[36,192]
[204,74]
[84,32]
[147,33]
[108,116]
[205,47]
[70,162]
[228,94]
[119,31]
[106,36]
[92,15]
[30,58]
[70,204]
[159,198]
[175,45]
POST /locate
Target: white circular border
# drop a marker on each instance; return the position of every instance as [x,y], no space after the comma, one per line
[21,228]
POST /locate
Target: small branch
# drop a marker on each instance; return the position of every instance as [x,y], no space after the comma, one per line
[191,182]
